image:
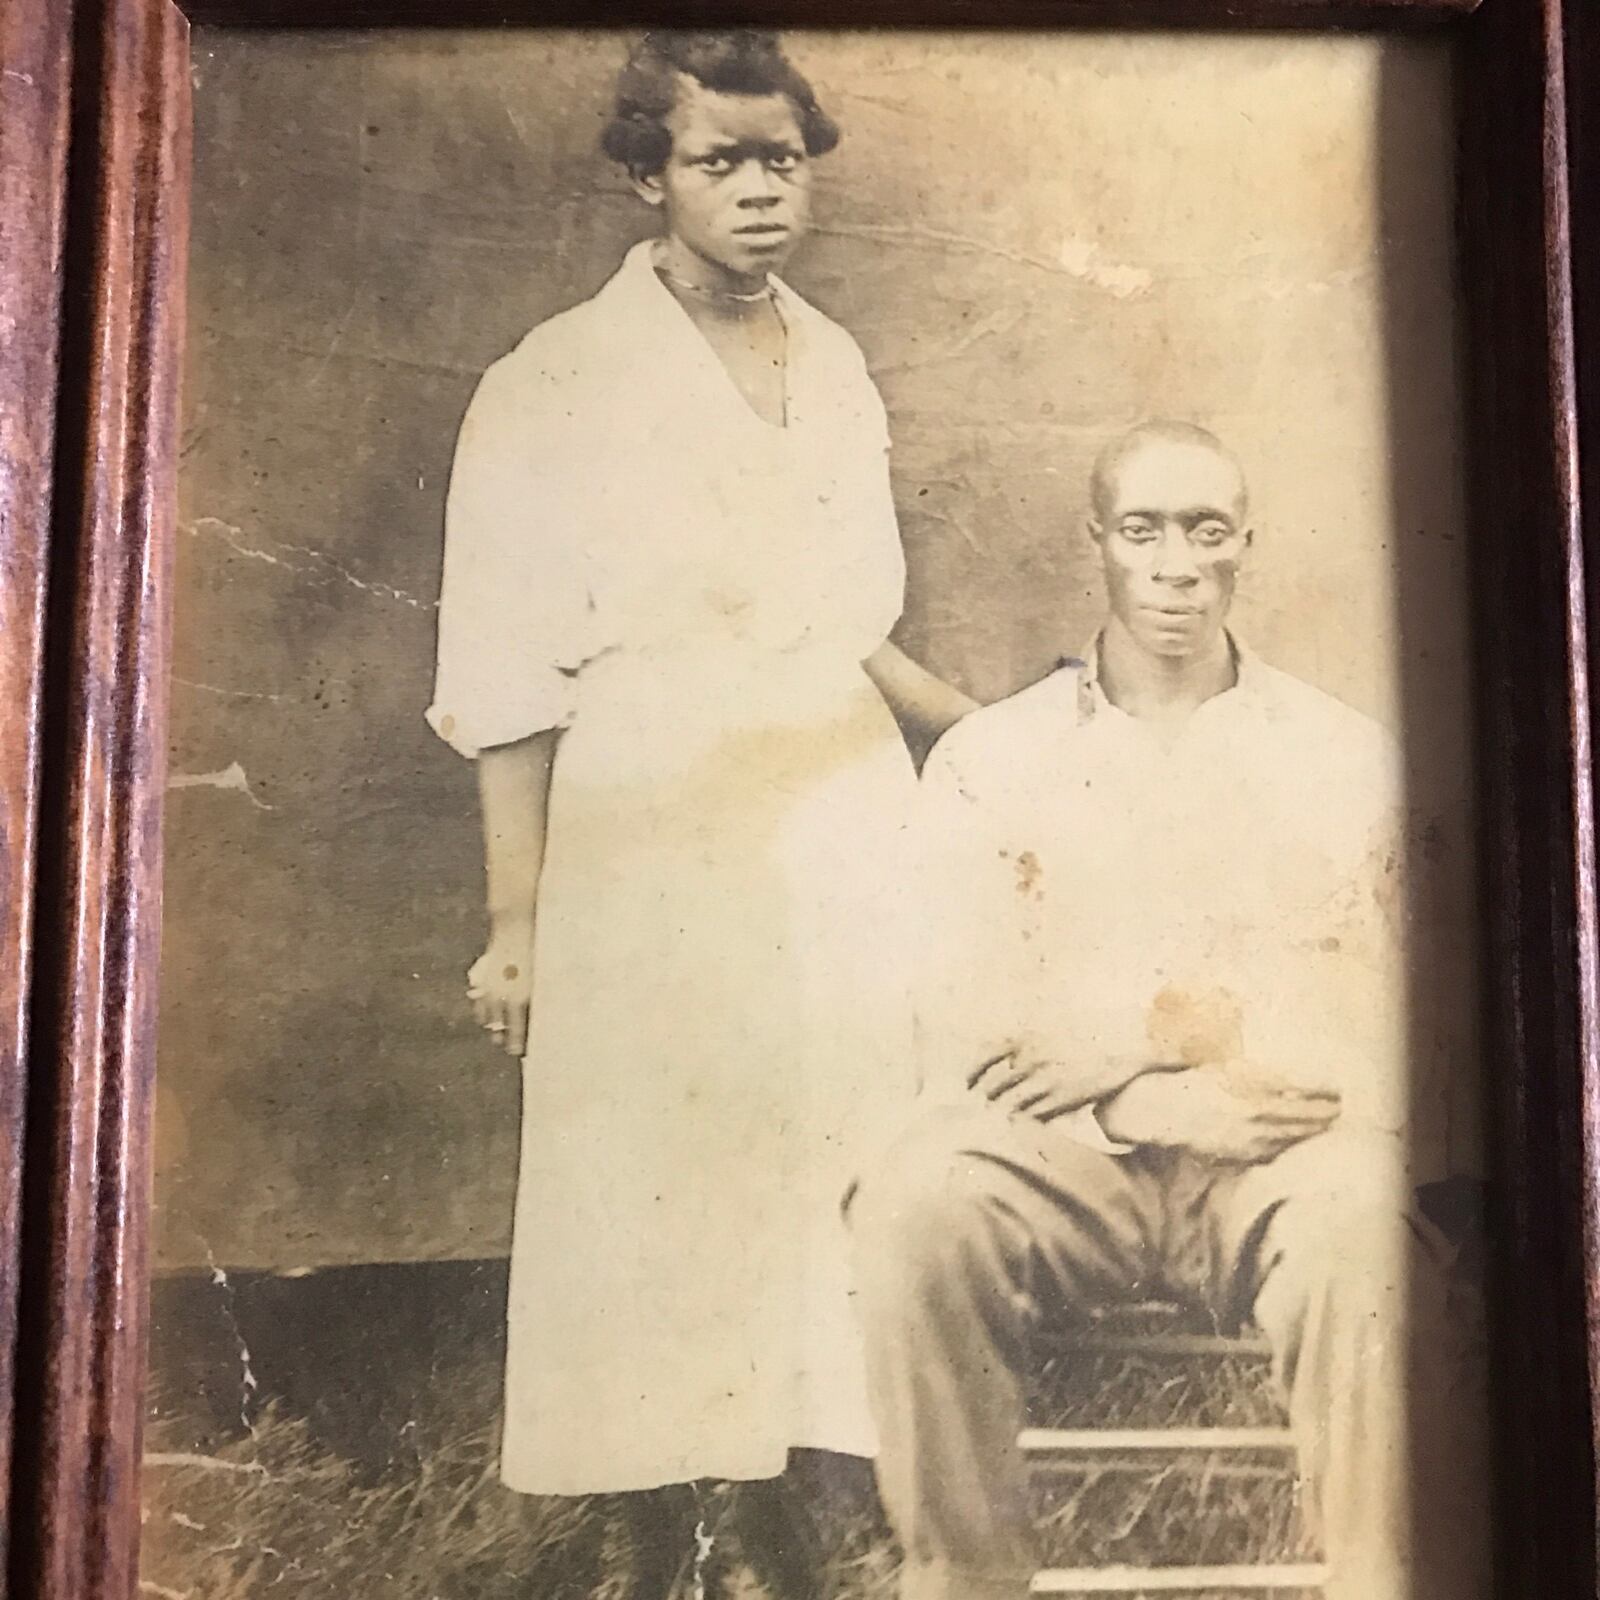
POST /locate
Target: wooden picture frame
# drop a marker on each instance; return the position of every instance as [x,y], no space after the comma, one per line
[91,291]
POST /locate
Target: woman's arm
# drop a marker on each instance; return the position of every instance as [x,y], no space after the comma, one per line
[925,705]
[514,790]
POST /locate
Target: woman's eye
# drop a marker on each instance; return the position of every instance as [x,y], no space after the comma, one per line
[717,166]
[786,163]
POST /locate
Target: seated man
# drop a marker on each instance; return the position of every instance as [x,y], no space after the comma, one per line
[1168,1056]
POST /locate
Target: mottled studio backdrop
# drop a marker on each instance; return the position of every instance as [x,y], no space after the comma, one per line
[1037,242]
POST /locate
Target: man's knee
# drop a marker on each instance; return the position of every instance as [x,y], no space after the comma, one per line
[1338,1217]
[1360,1253]
[1342,1236]
[1339,1186]
[935,1196]
[1349,1169]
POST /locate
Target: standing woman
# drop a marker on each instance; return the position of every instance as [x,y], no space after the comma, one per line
[671,568]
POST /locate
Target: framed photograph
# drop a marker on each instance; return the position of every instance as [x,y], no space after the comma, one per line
[799,801]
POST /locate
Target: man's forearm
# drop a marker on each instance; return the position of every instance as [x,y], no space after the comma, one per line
[1088,1080]
[1069,1078]
[1095,1049]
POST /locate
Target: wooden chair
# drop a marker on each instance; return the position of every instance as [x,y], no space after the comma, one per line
[1159,1332]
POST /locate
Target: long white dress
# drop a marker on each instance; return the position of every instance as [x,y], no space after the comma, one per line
[720,1011]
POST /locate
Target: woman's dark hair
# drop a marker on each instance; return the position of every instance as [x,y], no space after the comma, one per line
[734,61]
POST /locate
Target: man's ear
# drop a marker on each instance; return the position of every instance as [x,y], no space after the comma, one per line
[1094,528]
[647,185]
[1249,538]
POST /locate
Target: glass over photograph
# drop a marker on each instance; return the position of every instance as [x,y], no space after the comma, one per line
[820,928]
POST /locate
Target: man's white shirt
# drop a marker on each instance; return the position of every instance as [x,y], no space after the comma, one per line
[1232,887]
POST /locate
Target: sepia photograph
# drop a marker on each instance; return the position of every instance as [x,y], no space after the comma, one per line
[820,930]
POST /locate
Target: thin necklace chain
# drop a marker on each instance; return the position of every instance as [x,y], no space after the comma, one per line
[674,282]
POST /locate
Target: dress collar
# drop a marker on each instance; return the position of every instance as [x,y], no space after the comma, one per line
[638,276]
[653,314]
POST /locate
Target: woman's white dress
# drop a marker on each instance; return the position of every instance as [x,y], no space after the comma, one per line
[720,1013]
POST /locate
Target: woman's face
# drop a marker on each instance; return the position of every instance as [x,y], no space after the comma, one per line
[737,187]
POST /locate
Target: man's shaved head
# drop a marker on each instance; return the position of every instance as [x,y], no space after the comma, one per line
[1109,463]
[1169,520]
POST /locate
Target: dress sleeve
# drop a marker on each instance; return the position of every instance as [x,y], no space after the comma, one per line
[516,615]
[875,582]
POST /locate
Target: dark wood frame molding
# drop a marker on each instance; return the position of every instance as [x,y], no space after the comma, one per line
[101,735]
[94,181]
[36,60]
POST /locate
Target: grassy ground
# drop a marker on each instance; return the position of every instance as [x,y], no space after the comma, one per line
[283,1514]
[302,1522]
[296,1468]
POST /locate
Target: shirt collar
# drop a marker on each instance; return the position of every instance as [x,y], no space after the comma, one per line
[1245,692]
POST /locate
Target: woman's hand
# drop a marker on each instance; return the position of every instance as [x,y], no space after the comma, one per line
[500,984]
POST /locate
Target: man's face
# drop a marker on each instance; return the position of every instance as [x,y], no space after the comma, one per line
[737,186]
[1172,539]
